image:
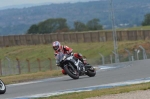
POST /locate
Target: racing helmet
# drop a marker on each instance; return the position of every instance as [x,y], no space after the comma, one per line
[56,45]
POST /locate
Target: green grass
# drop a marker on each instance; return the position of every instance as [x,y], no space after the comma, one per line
[102,92]
[26,52]
[30,76]
[128,28]
[136,28]
[90,50]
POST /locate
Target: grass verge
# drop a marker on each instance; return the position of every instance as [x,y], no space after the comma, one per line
[30,77]
[102,92]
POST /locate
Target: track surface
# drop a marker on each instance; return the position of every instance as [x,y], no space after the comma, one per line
[121,72]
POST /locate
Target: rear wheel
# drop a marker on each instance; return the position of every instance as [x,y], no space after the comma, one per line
[71,71]
[2,87]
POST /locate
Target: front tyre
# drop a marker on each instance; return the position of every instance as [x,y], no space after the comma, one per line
[91,72]
[2,87]
[71,71]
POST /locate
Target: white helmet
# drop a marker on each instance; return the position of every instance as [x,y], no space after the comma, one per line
[56,45]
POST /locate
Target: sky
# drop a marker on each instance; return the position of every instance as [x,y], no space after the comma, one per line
[6,3]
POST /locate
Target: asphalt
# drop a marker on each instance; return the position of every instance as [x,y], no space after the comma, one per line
[118,73]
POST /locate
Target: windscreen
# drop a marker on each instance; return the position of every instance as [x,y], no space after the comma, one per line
[59,57]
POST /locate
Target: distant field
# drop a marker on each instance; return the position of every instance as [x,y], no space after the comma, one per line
[130,28]
[137,28]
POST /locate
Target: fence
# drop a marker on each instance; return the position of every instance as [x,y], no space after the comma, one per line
[97,36]
[139,54]
[12,67]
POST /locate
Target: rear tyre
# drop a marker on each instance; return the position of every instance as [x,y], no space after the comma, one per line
[71,71]
[2,87]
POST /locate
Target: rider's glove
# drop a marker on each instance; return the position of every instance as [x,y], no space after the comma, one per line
[71,53]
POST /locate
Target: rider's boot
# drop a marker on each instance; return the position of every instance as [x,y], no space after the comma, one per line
[63,72]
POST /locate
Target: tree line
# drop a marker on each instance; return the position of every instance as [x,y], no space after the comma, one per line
[57,25]
[146,21]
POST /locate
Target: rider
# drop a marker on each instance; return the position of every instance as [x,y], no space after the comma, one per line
[65,50]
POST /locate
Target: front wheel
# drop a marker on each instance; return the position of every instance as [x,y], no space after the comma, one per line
[71,71]
[2,87]
[91,72]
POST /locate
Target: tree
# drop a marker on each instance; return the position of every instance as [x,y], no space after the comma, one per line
[94,24]
[49,26]
[33,29]
[79,26]
[146,20]
[53,25]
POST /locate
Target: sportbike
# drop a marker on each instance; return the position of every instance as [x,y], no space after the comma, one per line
[74,67]
[2,87]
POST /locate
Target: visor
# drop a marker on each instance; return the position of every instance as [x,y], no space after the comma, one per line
[55,47]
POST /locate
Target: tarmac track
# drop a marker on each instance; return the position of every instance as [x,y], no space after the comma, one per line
[105,75]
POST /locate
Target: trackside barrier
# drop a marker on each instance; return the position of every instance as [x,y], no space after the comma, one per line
[129,54]
[144,52]
[39,63]
[50,63]
[0,68]
[136,54]
[18,65]
[103,59]
[28,65]
[75,37]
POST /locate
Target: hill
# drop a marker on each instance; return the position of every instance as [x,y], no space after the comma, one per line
[127,13]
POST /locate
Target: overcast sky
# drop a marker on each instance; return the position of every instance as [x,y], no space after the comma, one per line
[4,3]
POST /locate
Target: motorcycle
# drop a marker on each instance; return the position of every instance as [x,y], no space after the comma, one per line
[75,68]
[2,87]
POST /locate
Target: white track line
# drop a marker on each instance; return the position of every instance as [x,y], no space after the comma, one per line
[90,88]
